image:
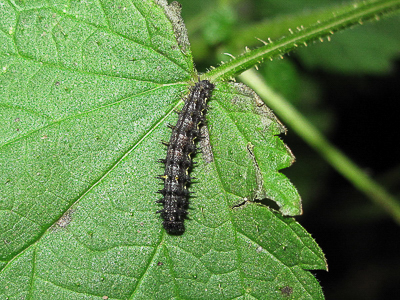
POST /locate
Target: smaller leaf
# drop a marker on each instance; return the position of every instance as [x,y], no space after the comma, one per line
[247,152]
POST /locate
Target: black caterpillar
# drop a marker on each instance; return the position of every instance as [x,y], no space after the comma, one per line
[178,161]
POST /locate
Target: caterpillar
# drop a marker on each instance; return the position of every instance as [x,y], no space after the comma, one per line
[178,161]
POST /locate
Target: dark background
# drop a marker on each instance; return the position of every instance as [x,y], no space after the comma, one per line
[361,242]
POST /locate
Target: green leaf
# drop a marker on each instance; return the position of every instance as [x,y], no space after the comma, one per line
[245,146]
[86,90]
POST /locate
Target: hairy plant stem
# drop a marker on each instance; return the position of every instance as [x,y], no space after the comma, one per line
[356,14]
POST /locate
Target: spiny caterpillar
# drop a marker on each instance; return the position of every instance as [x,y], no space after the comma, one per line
[178,162]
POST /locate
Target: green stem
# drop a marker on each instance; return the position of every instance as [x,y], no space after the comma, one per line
[316,140]
[357,14]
